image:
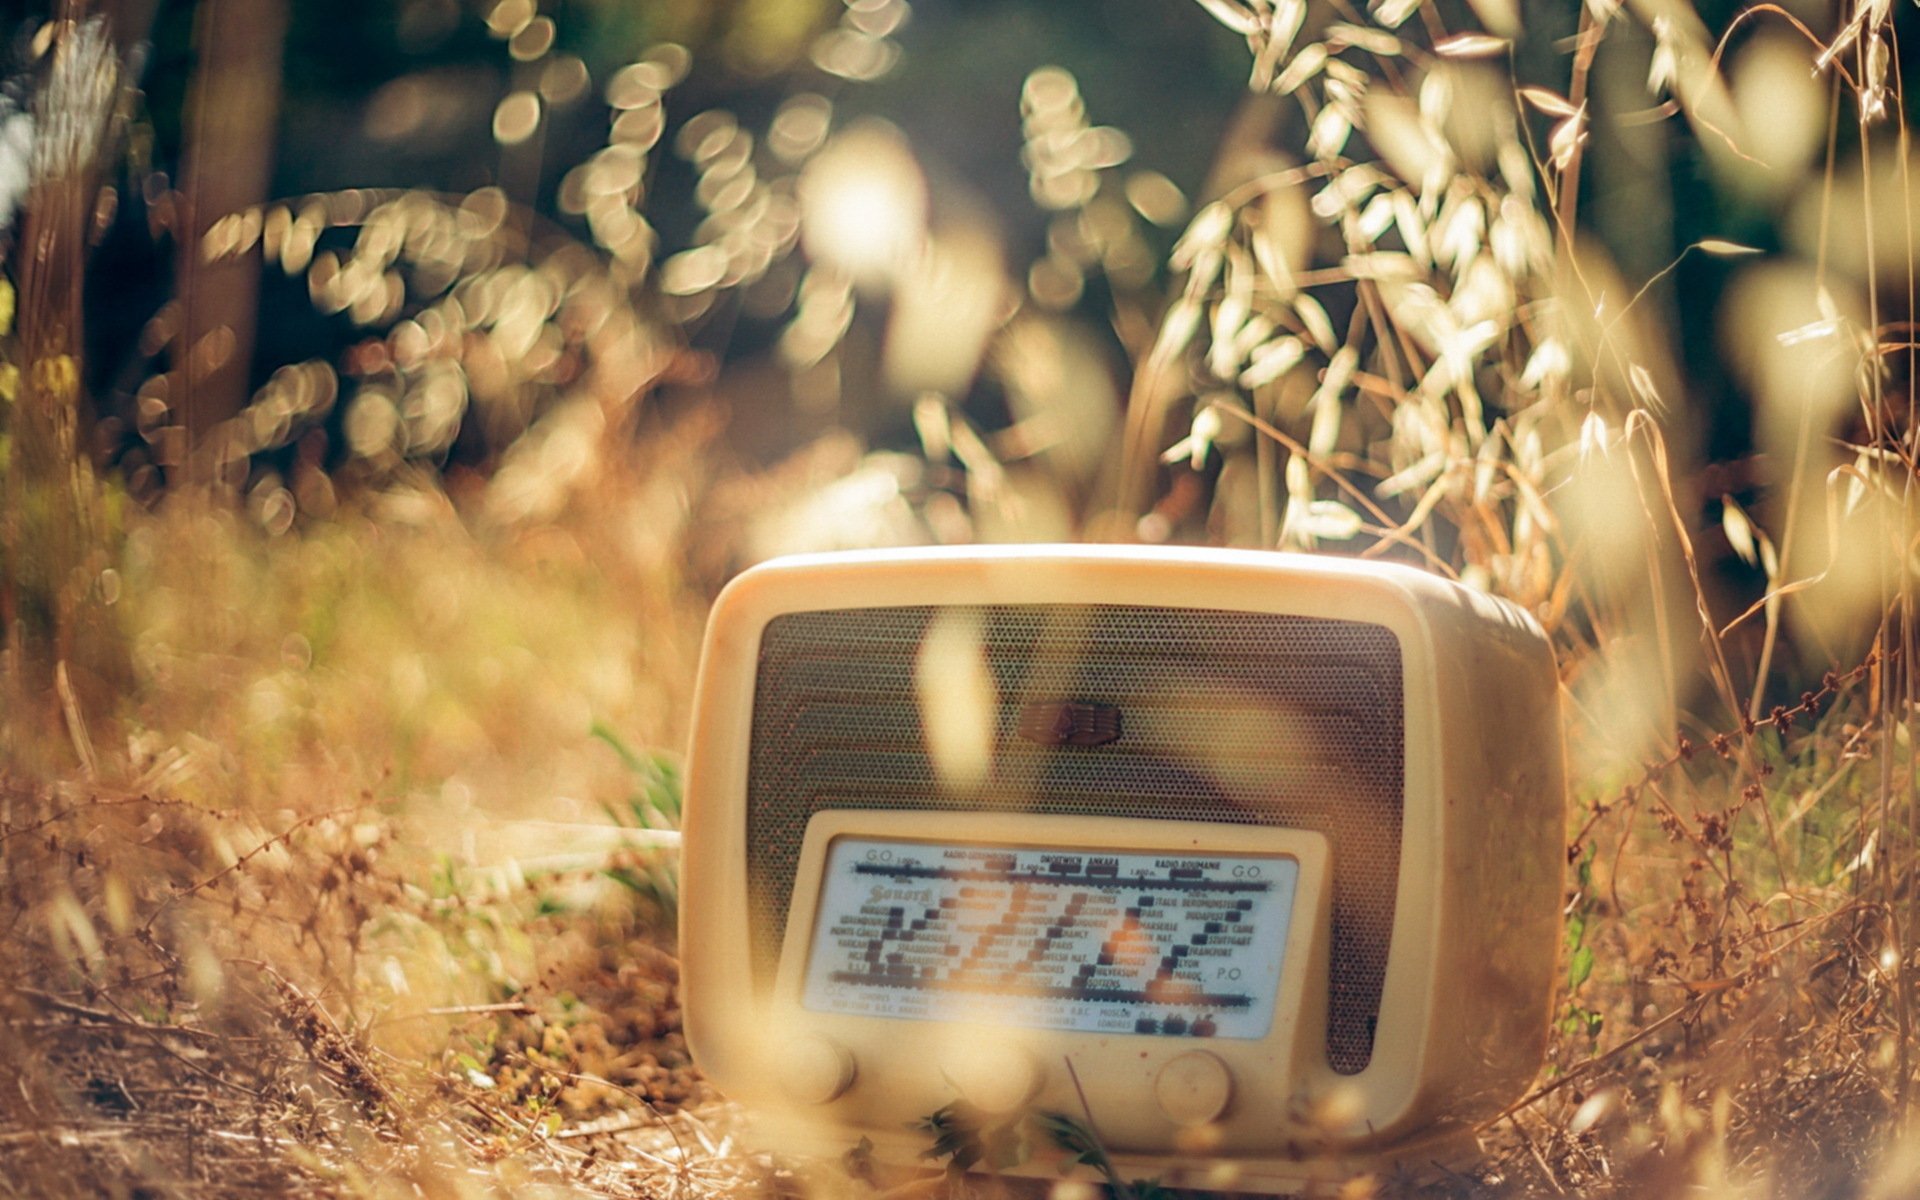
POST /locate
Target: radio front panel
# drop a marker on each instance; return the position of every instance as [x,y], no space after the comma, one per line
[1110,711]
[932,950]
[965,823]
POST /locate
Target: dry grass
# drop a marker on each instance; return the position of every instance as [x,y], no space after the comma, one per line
[345,903]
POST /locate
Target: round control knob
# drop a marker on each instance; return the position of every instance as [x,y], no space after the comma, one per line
[813,1069]
[1193,1089]
[996,1078]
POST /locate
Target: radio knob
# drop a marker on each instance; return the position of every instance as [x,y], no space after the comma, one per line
[996,1078]
[814,1070]
[1193,1089]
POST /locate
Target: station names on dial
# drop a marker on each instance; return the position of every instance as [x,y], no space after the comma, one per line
[1184,945]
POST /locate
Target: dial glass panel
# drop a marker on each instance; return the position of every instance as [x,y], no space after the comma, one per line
[1170,945]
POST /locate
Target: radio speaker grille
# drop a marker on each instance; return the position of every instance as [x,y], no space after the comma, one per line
[1241,717]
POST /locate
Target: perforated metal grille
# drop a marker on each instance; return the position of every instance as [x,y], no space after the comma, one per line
[1225,716]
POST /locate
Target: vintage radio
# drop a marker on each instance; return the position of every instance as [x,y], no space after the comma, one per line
[1245,856]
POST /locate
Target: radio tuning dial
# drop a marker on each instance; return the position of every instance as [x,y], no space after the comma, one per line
[814,1069]
[996,1078]
[1193,1089]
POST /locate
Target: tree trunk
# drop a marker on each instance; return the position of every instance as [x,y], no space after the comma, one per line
[232,119]
[58,627]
